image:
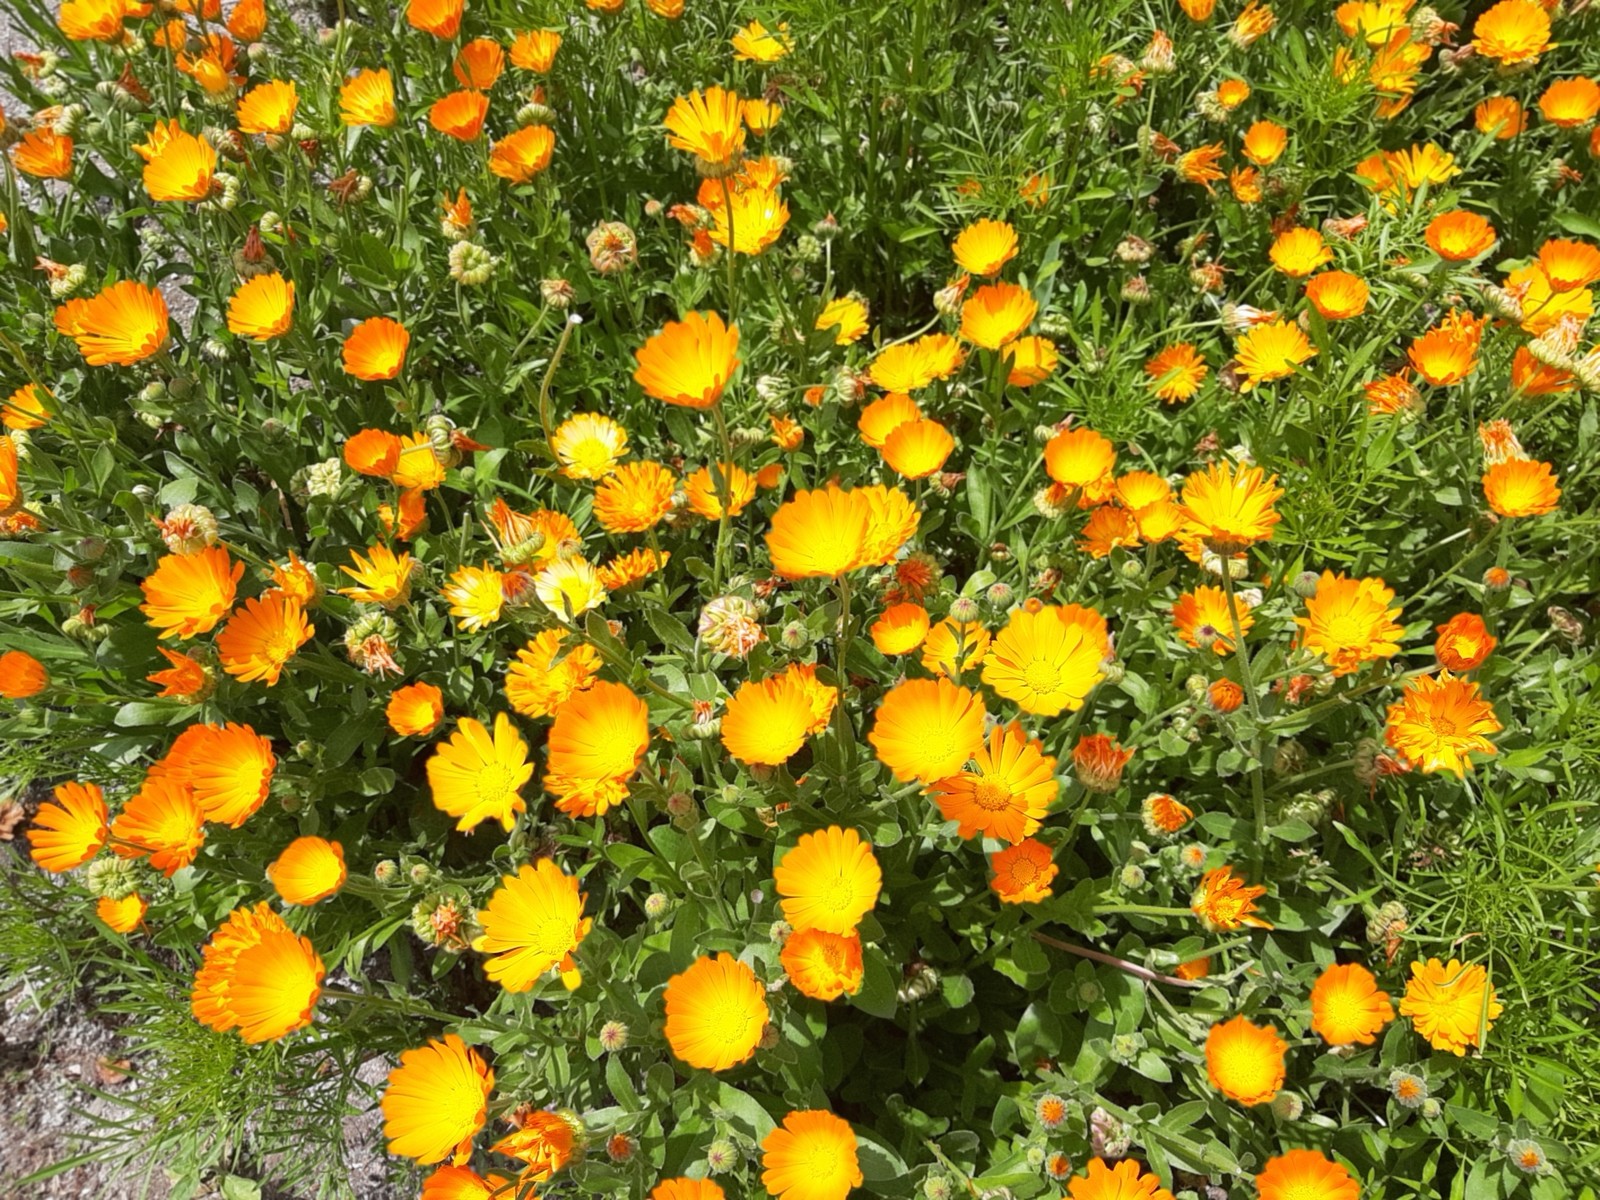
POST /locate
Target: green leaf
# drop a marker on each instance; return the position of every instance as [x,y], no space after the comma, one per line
[745,1111]
[877,996]
[621,1086]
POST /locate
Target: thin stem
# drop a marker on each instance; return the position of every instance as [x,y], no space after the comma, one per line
[1121,964]
[1257,790]
[719,476]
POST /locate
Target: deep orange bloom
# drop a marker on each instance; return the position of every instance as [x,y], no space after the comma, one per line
[21,675]
[460,114]
[1463,642]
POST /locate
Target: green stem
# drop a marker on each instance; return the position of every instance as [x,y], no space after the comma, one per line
[1257,790]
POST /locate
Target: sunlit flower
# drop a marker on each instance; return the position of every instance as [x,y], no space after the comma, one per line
[261,637]
[1442,357]
[997,313]
[21,675]
[1005,791]
[479,63]
[1450,1003]
[415,710]
[1350,622]
[847,317]
[1098,761]
[1337,295]
[708,489]
[1346,1006]
[1543,306]
[1569,264]
[708,125]
[596,742]
[822,965]
[1176,372]
[1022,874]
[1463,642]
[1512,32]
[476,596]
[124,324]
[755,43]
[1230,506]
[1202,619]
[1032,361]
[911,366]
[43,153]
[1224,902]
[634,497]
[916,449]
[459,114]
[548,670]
[811,1156]
[1124,1181]
[309,869]
[984,247]
[442,18]
[25,409]
[475,777]
[927,729]
[436,1100]
[533,923]
[588,445]
[188,594]
[1521,487]
[1253,22]
[184,679]
[1244,1061]
[519,156]
[1044,664]
[1200,164]
[375,349]
[268,107]
[262,308]
[690,361]
[1460,236]
[257,976]
[716,1013]
[70,830]
[828,880]
[1270,351]
[1439,721]
[1264,142]
[181,169]
[535,50]
[1305,1175]
[884,415]
[367,98]
[1500,117]
[1079,457]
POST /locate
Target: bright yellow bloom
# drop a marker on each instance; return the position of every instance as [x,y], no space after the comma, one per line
[716,1013]
[1224,902]
[520,156]
[533,923]
[124,324]
[474,777]
[1513,32]
[690,361]
[367,98]
[811,1156]
[588,445]
[1450,1004]
[436,1101]
[997,313]
[708,125]
[268,107]
[71,830]
[755,43]
[1347,1008]
[476,596]
[1244,1061]
[1045,664]
[1350,622]
[984,247]
[262,308]
[828,880]
[1439,721]
[309,869]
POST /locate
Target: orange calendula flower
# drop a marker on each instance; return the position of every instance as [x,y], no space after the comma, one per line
[1569,103]
[122,915]
[1512,32]
[1006,790]
[1125,1181]
[596,743]
[43,153]
[1224,696]
[1265,142]
[533,923]
[309,869]
[916,449]
[984,247]
[1230,506]
[383,577]
[1176,372]
[1459,236]
[952,647]
[1463,642]
[911,366]
[1200,164]
[1439,721]
[847,317]
[756,43]
[1543,306]
[1163,815]
[415,710]
[181,169]
[1022,874]
[261,637]
[716,1013]
[268,107]
[475,777]
[821,965]
[1346,1006]
[1044,663]
[519,156]
[24,409]
[828,880]
[1032,361]
[1350,622]
[374,350]
[1244,1061]
[1500,117]
[588,445]
[1252,23]
[163,822]
[122,325]
[1306,1175]
[374,452]
[767,722]
[997,313]
[535,50]
[459,114]
[436,1101]
[70,830]
[262,308]
[1098,761]
[1079,457]
[476,596]
[367,98]
[1106,529]
[710,126]
[442,18]
[927,729]
[690,361]
[21,675]
[884,415]
[184,679]
[811,1156]
[1520,487]
[92,20]
[900,630]
[188,594]
[1202,619]
[819,533]
[1569,264]
[479,63]
[1337,295]
[1245,184]
[257,976]
[1224,902]
[228,768]
[247,21]
[634,497]
[1443,357]
[1450,1004]
[1270,351]
[708,488]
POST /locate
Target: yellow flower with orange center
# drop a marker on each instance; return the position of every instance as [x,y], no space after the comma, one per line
[1044,662]
[1306,1175]
[535,50]
[828,880]
[1298,252]
[475,777]
[927,729]
[1265,142]
[708,125]
[124,324]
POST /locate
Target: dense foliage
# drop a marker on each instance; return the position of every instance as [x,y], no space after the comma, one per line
[925,598]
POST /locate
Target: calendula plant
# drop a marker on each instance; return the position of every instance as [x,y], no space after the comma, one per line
[687,600]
